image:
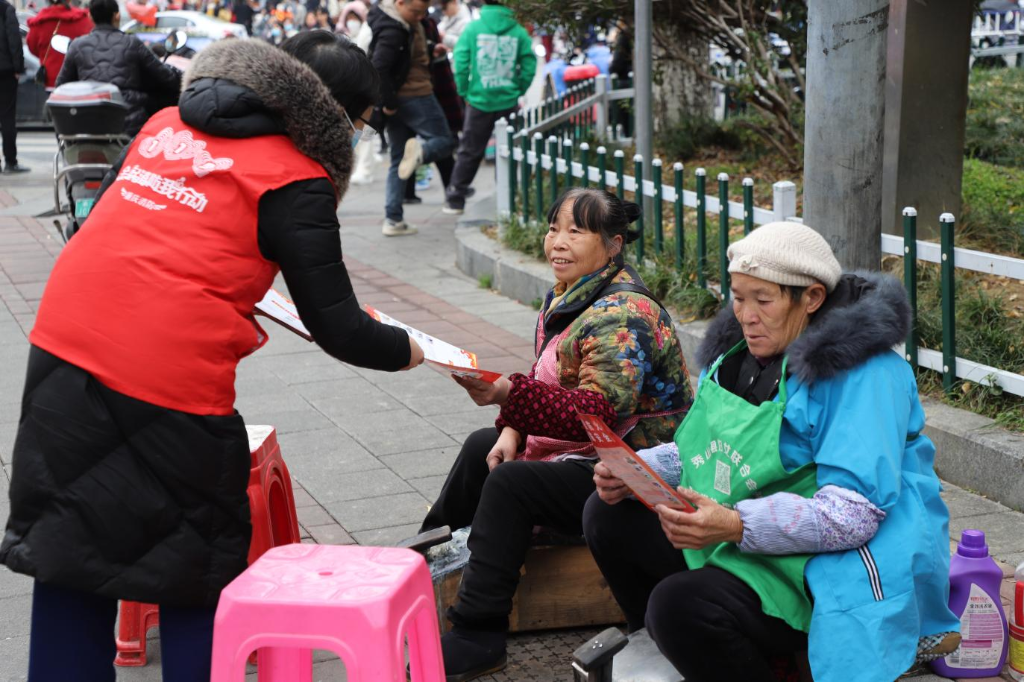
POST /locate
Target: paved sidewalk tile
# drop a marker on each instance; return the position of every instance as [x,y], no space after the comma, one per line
[331,534]
[422,463]
[388,537]
[379,512]
[359,485]
[429,487]
[391,433]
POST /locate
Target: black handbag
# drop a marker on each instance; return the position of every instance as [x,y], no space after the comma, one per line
[41,74]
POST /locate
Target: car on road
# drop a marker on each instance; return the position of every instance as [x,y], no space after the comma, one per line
[193,23]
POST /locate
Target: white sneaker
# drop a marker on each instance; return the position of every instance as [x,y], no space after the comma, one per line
[399,229]
[411,159]
[360,179]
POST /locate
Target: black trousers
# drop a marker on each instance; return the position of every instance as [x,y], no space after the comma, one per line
[83,623]
[476,131]
[8,108]
[503,506]
[707,622]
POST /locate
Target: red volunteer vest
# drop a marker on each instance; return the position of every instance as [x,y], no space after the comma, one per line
[155,298]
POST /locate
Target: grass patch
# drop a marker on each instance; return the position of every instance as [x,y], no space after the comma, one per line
[525,236]
[484,281]
[992,218]
[995,117]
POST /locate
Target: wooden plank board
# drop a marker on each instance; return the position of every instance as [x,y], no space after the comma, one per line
[560,587]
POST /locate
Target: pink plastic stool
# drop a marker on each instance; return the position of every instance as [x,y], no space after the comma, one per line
[359,602]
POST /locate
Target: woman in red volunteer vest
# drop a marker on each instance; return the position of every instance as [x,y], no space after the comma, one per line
[131,464]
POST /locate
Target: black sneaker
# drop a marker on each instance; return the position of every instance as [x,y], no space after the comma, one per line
[470,192]
[413,200]
[469,654]
[13,168]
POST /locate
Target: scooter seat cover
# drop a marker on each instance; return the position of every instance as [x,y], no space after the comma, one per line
[154,296]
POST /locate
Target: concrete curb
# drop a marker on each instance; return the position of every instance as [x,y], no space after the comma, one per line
[971,451]
[512,273]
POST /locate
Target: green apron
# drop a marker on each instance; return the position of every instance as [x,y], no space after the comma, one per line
[729,451]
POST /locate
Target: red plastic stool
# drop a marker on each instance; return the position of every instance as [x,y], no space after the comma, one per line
[274,523]
[135,621]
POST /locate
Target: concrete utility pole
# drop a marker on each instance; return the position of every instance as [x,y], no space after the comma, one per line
[643,79]
[929,49]
[845,115]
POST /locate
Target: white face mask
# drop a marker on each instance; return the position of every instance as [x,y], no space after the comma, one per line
[353,26]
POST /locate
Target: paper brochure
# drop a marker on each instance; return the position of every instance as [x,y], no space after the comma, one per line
[281,310]
[454,359]
[627,466]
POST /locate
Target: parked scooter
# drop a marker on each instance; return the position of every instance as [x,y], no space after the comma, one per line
[88,118]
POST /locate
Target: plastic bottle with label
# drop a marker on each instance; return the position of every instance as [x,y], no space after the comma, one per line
[974,580]
[1016,655]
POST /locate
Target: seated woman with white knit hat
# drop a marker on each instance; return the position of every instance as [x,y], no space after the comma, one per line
[819,525]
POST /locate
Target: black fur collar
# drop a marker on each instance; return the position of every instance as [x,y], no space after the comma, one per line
[867,314]
[290,90]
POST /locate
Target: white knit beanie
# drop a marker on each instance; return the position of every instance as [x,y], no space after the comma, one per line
[786,253]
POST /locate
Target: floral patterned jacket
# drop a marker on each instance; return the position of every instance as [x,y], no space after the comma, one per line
[619,357]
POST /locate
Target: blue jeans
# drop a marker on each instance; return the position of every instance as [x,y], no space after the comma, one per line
[420,116]
[73,638]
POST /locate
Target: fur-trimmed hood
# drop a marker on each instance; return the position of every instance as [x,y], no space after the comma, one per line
[243,88]
[867,314]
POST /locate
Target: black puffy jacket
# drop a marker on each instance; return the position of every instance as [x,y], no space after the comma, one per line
[391,53]
[109,56]
[11,57]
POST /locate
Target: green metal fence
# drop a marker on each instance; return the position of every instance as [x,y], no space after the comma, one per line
[950,259]
[546,149]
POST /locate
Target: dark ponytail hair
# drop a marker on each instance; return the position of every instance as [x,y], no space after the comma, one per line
[341,65]
[597,210]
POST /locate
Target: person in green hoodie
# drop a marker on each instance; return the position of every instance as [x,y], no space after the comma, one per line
[494,65]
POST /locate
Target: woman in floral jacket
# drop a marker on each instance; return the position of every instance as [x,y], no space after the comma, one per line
[604,347]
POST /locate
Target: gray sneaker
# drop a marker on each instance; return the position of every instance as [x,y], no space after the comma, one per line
[13,168]
[399,229]
[411,159]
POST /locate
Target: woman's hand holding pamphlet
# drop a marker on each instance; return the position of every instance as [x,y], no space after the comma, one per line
[627,466]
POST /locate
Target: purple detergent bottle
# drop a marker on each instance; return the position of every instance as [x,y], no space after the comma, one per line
[974,580]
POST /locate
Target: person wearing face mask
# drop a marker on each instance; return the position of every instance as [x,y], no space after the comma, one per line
[819,527]
[131,464]
[605,347]
[353,16]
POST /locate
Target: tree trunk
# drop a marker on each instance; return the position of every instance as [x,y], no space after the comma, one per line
[678,89]
[845,114]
